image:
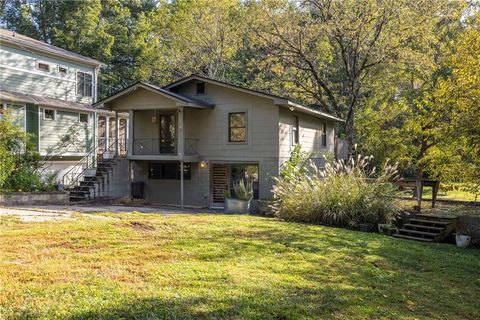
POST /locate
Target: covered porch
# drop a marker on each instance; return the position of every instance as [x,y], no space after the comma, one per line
[157,134]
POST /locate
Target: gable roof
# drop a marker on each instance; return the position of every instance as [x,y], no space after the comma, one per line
[181,99]
[13,38]
[278,100]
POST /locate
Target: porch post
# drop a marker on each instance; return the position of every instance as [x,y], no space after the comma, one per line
[181,183]
[181,133]
[116,133]
[107,135]
[130,133]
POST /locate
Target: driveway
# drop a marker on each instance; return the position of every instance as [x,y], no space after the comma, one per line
[58,212]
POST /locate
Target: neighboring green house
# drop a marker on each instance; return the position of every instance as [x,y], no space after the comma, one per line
[48,91]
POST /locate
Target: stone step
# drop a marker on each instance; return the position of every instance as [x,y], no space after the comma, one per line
[429,222]
[419,226]
[417,232]
[412,238]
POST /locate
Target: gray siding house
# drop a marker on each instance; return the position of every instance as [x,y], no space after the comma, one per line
[48,91]
[189,141]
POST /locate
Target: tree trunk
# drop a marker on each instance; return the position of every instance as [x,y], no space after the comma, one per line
[350,133]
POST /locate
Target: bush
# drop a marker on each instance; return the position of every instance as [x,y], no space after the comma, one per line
[341,194]
[20,165]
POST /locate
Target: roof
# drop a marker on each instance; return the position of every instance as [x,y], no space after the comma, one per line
[183,100]
[13,38]
[278,100]
[16,97]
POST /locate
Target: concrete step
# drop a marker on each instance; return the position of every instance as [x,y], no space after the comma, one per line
[422,227]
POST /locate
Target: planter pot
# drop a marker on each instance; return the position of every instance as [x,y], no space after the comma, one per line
[236,206]
[462,240]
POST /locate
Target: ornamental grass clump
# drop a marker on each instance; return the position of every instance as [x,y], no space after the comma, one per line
[341,194]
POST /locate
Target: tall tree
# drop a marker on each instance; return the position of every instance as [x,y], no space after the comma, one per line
[328,52]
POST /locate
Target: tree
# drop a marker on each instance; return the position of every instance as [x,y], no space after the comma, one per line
[330,53]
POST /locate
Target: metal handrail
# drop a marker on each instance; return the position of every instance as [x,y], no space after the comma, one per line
[93,153]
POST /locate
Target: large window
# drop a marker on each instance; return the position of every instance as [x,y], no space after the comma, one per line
[168,171]
[237,127]
[295,131]
[324,135]
[84,84]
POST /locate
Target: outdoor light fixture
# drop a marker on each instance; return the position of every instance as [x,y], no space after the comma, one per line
[203,164]
[292,108]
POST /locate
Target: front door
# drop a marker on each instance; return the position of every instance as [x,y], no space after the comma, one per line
[220,183]
[167,133]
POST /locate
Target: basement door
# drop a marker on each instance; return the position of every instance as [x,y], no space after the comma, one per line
[220,183]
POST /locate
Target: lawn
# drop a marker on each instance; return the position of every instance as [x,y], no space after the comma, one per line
[207,266]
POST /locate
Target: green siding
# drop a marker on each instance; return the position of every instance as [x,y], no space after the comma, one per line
[32,123]
[53,131]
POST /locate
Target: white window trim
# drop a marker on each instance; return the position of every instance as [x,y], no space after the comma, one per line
[76,83]
[61,73]
[48,119]
[24,108]
[88,117]
[43,62]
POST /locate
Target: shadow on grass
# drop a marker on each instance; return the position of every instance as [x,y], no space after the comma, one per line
[313,303]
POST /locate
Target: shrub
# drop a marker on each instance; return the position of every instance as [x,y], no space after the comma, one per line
[20,164]
[341,194]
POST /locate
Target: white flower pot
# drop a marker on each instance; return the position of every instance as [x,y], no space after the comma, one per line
[463,241]
[236,206]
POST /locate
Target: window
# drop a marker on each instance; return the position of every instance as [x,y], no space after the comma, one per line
[43,66]
[324,134]
[62,70]
[168,171]
[237,127]
[83,118]
[295,131]
[48,114]
[200,87]
[84,84]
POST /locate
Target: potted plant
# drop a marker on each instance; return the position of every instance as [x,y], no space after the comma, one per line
[463,238]
[243,191]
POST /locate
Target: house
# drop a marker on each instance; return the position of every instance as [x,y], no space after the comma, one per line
[190,140]
[48,91]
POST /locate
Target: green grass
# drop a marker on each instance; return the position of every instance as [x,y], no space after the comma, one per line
[138,266]
[455,194]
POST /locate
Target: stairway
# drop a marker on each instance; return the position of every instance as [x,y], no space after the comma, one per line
[94,186]
[427,228]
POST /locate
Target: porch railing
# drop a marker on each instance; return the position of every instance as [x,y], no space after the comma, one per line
[86,165]
[147,146]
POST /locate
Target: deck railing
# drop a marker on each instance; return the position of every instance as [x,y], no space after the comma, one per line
[148,146]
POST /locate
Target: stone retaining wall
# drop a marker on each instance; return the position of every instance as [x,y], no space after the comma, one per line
[34,198]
